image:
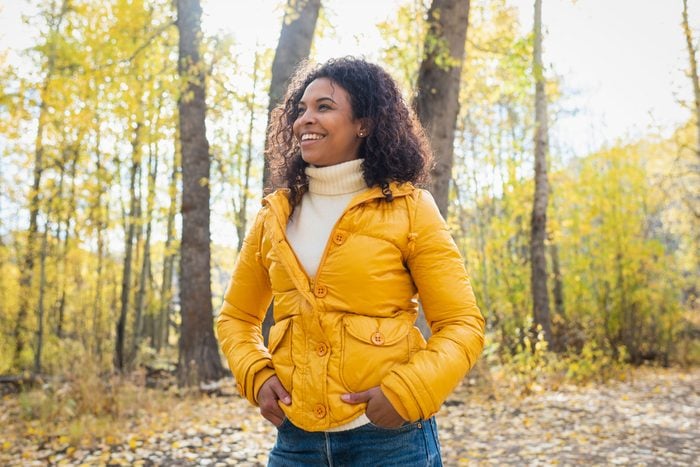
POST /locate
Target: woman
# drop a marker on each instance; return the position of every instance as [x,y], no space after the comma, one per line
[344,248]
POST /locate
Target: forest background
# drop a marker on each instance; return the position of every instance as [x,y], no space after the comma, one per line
[91,236]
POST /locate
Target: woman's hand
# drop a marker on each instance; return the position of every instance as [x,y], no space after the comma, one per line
[379,410]
[269,394]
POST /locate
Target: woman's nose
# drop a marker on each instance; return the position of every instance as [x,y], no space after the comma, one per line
[307,116]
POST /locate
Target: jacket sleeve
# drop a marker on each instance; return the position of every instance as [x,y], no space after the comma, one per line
[418,388]
[239,325]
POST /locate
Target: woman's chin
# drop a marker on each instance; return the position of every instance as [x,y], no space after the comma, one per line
[311,159]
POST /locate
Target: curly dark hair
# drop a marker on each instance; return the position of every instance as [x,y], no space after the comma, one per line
[396,148]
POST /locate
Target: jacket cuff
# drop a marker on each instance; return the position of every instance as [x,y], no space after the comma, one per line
[395,401]
[258,380]
[415,400]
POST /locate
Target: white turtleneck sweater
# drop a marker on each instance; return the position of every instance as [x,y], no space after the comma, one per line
[330,190]
[309,228]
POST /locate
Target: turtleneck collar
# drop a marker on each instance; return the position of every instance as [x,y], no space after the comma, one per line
[338,179]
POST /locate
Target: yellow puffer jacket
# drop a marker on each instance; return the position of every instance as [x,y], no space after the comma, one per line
[351,328]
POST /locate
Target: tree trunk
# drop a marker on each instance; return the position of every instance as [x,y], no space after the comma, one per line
[119,355]
[693,72]
[27,270]
[100,226]
[166,291]
[437,97]
[42,293]
[199,359]
[146,265]
[96,304]
[241,213]
[61,303]
[558,288]
[294,46]
[538,258]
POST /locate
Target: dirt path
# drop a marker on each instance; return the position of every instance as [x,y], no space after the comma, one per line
[652,419]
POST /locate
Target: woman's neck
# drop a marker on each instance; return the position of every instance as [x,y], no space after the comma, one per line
[338,179]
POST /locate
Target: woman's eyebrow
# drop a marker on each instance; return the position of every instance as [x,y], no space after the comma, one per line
[325,99]
[319,100]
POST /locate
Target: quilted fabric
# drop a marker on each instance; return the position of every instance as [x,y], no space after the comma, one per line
[351,327]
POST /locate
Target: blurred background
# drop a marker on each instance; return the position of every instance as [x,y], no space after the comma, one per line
[91,223]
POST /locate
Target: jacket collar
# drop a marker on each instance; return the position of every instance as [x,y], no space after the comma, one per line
[278,201]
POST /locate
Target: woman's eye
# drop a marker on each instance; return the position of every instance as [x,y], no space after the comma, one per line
[300,111]
[324,107]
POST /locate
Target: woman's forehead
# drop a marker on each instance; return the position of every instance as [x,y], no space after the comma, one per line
[324,87]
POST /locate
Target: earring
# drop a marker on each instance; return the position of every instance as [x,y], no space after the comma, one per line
[362,134]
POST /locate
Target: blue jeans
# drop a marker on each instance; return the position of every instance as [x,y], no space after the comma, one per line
[412,445]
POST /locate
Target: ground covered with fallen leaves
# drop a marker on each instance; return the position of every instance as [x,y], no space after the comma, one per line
[652,417]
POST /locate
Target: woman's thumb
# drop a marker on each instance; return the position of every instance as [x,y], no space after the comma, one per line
[281,393]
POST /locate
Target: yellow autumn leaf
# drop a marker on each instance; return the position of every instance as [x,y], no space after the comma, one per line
[133,443]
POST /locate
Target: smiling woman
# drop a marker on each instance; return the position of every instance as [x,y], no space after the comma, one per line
[345,246]
[326,128]
[367,108]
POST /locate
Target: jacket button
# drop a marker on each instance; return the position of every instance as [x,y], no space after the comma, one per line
[320,291]
[321,349]
[377,338]
[319,411]
[339,237]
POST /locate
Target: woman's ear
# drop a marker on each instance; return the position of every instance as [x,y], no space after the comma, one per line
[365,128]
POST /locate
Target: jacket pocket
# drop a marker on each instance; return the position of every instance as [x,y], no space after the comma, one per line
[280,346]
[371,347]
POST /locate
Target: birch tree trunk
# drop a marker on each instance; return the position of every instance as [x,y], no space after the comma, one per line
[538,258]
[199,359]
[437,97]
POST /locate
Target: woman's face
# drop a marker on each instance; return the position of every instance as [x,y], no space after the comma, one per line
[325,127]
